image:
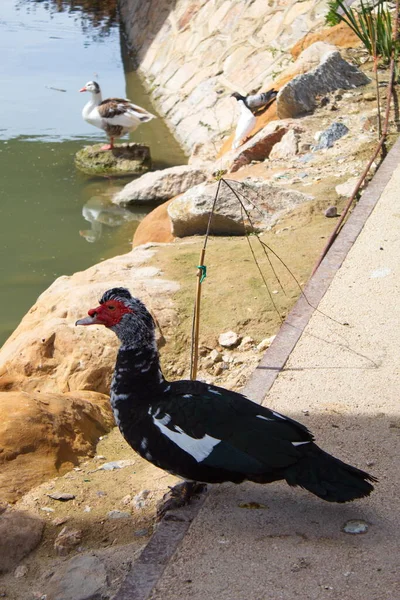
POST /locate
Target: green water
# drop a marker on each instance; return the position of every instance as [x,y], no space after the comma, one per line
[54,220]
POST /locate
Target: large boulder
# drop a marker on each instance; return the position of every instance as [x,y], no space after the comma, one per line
[155,227]
[124,159]
[43,435]
[47,353]
[263,202]
[159,186]
[20,533]
[299,95]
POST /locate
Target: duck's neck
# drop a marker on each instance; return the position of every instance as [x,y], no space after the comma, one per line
[137,374]
[94,101]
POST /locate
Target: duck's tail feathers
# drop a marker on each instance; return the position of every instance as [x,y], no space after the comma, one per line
[328,477]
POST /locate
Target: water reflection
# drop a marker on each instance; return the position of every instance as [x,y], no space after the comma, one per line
[102,214]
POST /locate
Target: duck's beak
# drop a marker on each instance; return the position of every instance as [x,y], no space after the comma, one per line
[87,321]
[93,318]
[83,89]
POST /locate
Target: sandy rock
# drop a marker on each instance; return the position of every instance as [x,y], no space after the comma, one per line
[125,159]
[21,571]
[309,58]
[159,186]
[344,190]
[229,339]
[215,356]
[339,35]
[287,147]
[155,227]
[48,353]
[257,148]
[20,533]
[265,343]
[67,540]
[81,578]
[190,212]
[43,435]
[247,343]
[299,95]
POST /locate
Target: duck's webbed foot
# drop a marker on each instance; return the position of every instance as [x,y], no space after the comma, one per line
[178,496]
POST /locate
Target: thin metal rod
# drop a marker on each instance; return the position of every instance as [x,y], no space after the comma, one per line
[194,358]
[196,320]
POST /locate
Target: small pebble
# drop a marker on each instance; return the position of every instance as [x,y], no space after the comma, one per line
[331,212]
[20,571]
[355,526]
[47,509]
[63,497]
[118,514]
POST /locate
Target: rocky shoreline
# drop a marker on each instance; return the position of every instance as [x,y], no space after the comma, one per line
[58,375]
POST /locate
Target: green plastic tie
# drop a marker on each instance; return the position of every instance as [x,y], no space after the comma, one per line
[203,270]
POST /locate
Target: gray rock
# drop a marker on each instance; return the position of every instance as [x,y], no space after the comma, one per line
[264,203]
[20,533]
[331,212]
[229,339]
[139,501]
[116,464]
[81,578]
[330,135]
[118,514]
[298,96]
[159,186]
[62,496]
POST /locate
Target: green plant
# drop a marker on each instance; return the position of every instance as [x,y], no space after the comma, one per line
[373,26]
[332,18]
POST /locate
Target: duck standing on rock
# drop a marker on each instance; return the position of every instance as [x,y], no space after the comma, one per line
[249,105]
[117,116]
[204,433]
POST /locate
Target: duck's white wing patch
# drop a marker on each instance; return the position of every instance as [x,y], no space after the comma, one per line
[245,124]
[198,448]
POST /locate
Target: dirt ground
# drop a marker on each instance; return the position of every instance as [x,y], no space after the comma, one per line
[297,239]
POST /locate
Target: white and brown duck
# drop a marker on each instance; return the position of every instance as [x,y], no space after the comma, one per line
[116,116]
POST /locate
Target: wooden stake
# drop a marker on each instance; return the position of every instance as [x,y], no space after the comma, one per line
[196,323]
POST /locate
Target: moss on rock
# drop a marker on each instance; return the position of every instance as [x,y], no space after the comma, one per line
[124,159]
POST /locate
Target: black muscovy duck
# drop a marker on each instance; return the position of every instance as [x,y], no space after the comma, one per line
[204,433]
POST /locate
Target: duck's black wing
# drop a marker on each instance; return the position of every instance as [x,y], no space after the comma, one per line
[224,430]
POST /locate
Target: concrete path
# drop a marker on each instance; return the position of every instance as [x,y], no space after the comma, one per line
[342,380]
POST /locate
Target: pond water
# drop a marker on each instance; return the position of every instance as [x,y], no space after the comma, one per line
[53,219]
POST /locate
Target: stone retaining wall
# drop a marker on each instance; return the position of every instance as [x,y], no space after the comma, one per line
[193,54]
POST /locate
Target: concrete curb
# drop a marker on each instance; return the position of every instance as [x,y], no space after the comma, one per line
[149,567]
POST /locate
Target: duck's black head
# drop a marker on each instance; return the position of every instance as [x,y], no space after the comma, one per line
[238,96]
[125,315]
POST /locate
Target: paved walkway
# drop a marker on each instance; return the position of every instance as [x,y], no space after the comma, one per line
[342,380]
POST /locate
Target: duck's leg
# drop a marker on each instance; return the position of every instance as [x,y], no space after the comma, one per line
[178,496]
[109,146]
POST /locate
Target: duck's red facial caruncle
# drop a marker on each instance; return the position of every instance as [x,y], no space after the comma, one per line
[108,314]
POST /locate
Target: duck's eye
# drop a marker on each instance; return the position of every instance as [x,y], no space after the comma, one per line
[112,307]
